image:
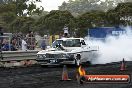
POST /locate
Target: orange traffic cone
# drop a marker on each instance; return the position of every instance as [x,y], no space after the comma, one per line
[123,67]
[65,74]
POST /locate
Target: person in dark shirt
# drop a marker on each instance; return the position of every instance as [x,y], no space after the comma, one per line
[13,44]
[30,40]
[5,45]
[83,43]
[43,45]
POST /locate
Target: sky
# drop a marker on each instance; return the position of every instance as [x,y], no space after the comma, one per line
[51,4]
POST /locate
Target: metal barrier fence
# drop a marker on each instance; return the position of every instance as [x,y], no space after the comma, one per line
[8,58]
[18,58]
[18,55]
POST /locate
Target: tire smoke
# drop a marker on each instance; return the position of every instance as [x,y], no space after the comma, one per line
[113,49]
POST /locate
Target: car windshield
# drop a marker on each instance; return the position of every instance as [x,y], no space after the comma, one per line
[71,43]
[68,43]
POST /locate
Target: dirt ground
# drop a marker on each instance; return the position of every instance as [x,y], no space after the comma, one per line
[49,77]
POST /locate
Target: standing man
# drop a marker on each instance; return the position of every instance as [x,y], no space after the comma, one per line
[65,31]
[24,45]
[43,45]
[30,40]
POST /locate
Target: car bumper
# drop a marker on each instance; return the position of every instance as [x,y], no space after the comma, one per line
[62,62]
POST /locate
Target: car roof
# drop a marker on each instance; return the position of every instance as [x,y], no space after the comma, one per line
[69,38]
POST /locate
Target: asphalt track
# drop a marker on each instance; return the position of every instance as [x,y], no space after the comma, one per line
[49,77]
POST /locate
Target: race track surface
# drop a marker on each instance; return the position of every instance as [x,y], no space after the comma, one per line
[49,77]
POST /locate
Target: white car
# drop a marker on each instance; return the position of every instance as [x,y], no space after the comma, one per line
[72,51]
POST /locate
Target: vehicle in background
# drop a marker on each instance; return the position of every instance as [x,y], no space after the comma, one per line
[72,51]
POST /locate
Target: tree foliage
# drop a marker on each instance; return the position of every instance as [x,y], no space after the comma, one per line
[91,19]
[21,24]
[78,7]
[27,7]
[93,14]
[14,14]
[55,21]
[120,15]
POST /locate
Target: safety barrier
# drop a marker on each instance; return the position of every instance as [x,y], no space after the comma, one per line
[15,58]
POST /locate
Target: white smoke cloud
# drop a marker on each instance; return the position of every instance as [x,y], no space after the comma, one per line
[114,49]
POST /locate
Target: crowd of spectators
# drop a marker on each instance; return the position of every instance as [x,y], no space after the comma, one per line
[17,41]
[20,41]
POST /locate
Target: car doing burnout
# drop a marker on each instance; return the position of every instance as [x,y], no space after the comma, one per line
[72,51]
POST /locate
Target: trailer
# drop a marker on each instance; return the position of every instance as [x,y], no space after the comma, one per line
[104,32]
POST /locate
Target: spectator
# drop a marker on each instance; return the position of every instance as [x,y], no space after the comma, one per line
[5,45]
[24,45]
[65,31]
[19,39]
[43,45]
[61,35]
[13,44]
[30,40]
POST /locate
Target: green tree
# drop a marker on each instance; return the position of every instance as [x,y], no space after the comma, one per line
[30,6]
[113,18]
[90,19]
[78,7]
[22,24]
[121,14]
[11,10]
[55,21]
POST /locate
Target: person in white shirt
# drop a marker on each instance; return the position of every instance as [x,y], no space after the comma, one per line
[65,31]
[24,45]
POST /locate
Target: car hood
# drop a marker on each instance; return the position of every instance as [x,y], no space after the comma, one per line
[51,51]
